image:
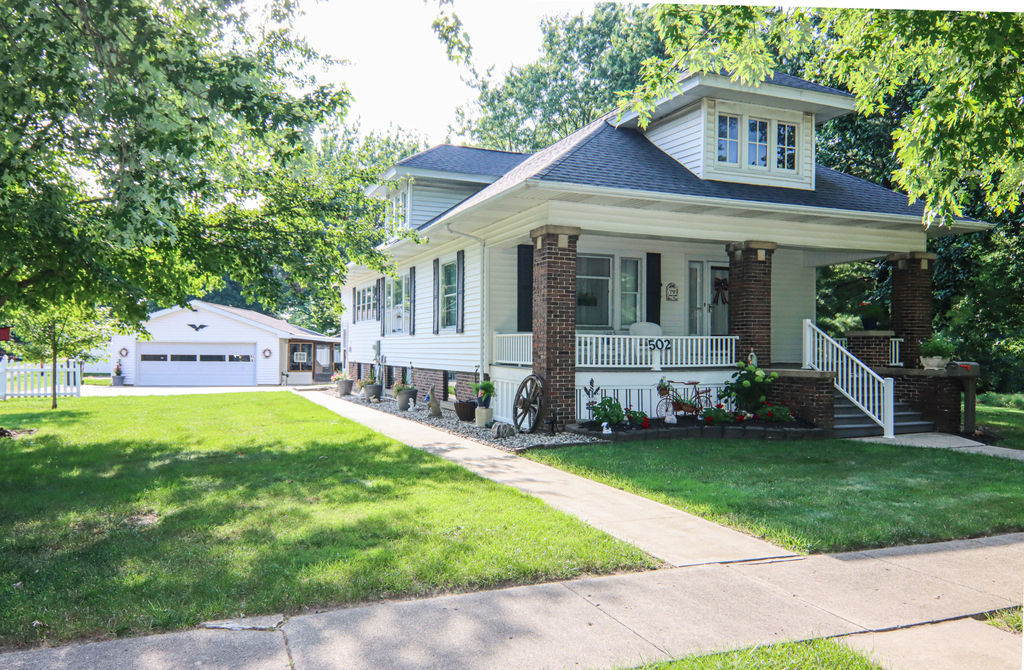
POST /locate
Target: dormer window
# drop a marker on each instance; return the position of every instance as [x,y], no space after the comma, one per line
[729,139]
[757,143]
[786,146]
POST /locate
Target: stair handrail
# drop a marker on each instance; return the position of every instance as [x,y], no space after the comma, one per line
[870,392]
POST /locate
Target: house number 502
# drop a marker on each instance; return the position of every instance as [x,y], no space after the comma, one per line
[659,343]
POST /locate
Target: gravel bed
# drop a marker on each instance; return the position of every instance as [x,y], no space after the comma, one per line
[451,424]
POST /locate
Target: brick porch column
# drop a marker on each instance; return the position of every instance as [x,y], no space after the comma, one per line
[554,318]
[750,298]
[911,303]
[870,346]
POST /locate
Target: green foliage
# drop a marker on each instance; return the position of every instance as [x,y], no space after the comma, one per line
[954,142]
[585,59]
[748,386]
[717,415]
[259,503]
[609,411]
[483,389]
[775,413]
[938,345]
[819,654]
[636,417]
[1014,400]
[149,148]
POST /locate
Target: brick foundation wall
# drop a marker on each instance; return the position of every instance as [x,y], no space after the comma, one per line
[464,385]
[911,304]
[750,298]
[871,347]
[554,319]
[937,397]
[809,395]
[424,379]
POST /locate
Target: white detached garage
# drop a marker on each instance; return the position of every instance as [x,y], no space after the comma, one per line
[216,345]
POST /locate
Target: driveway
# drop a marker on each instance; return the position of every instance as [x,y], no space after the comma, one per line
[90,391]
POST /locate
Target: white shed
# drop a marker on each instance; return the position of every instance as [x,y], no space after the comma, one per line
[216,345]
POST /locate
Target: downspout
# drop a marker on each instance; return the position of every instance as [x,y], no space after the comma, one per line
[484,368]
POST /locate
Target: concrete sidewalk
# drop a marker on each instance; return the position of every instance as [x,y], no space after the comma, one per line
[673,536]
[616,621]
[946,441]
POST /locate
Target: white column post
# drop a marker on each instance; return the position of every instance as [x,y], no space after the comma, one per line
[808,344]
[888,407]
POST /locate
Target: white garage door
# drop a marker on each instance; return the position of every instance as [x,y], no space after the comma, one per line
[210,364]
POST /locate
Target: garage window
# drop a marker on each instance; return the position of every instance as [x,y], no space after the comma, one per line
[239,358]
[211,358]
[300,357]
[183,358]
[153,357]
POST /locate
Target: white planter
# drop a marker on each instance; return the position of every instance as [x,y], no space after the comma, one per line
[484,416]
[934,362]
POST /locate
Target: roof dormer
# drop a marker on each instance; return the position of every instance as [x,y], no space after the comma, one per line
[725,131]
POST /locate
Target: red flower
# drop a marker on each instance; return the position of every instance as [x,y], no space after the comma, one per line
[740,417]
[719,405]
[770,415]
[645,423]
[707,419]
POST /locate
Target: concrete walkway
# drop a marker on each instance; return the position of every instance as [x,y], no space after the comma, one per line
[946,441]
[622,620]
[673,536]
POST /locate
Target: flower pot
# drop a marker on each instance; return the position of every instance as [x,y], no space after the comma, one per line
[484,416]
[117,380]
[404,398]
[372,391]
[934,362]
[344,386]
[484,402]
[465,410]
[869,322]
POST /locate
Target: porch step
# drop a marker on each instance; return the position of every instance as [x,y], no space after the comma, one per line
[850,421]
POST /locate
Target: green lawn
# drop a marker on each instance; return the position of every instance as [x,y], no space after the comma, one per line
[134,514]
[1004,414]
[1008,620]
[820,496]
[813,655]
[96,380]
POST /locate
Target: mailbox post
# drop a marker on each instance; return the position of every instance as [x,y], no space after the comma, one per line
[968,372]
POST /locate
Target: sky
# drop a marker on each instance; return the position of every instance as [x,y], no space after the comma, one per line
[398,70]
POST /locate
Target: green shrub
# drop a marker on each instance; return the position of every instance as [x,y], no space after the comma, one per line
[938,345]
[609,411]
[717,415]
[748,386]
[776,413]
[636,417]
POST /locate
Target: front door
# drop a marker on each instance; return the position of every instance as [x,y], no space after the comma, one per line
[322,368]
[708,298]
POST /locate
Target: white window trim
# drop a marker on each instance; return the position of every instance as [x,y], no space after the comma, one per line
[389,308]
[768,145]
[739,141]
[641,285]
[774,148]
[366,303]
[441,294]
[746,113]
[615,289]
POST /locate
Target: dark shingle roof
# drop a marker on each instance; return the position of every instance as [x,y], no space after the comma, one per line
[266,320]
[464,160]
[782,79]
[623,158]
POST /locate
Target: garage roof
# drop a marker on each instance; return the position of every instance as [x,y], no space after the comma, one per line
[279,326]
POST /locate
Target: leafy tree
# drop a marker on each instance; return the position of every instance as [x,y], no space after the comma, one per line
[966,134]
[150,147]
[70,330]
[585,60]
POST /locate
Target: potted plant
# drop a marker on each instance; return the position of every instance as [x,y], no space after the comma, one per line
[936,352]
[404,392]
[465,409]
[343,382]
[118,378]
[371,387]
[484,392]
[871,315]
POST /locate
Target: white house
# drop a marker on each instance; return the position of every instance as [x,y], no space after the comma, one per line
[623,255]
[216,345]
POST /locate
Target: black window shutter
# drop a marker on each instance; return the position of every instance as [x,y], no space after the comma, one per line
[354,304]
[380,303]
[460,291]
[411,288]
[524,288]
[437,297]
[654,288]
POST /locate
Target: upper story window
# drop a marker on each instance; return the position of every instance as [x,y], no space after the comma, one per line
[729,139]
[366,303]
[397,300]
[449,295]
[757,143]
[786,146]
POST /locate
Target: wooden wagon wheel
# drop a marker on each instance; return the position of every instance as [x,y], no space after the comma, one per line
[529,397]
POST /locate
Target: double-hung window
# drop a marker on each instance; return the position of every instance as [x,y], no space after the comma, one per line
[396,305]
[449,295]
[728,139]
[785,146]
[629,291]
[300,356]
[593,291]
[366,303]
[757,143]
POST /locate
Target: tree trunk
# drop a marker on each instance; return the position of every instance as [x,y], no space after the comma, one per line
[53,369]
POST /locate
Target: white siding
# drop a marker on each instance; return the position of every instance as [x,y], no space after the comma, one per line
[503,277]
[681,137]
[427,200]
[793,300]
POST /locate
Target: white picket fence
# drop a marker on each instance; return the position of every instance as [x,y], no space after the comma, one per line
[32,380]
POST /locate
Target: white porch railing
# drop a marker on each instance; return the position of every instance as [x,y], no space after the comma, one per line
[855,380]
[638,398]
[627,351]
[25,380]
[513,349]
